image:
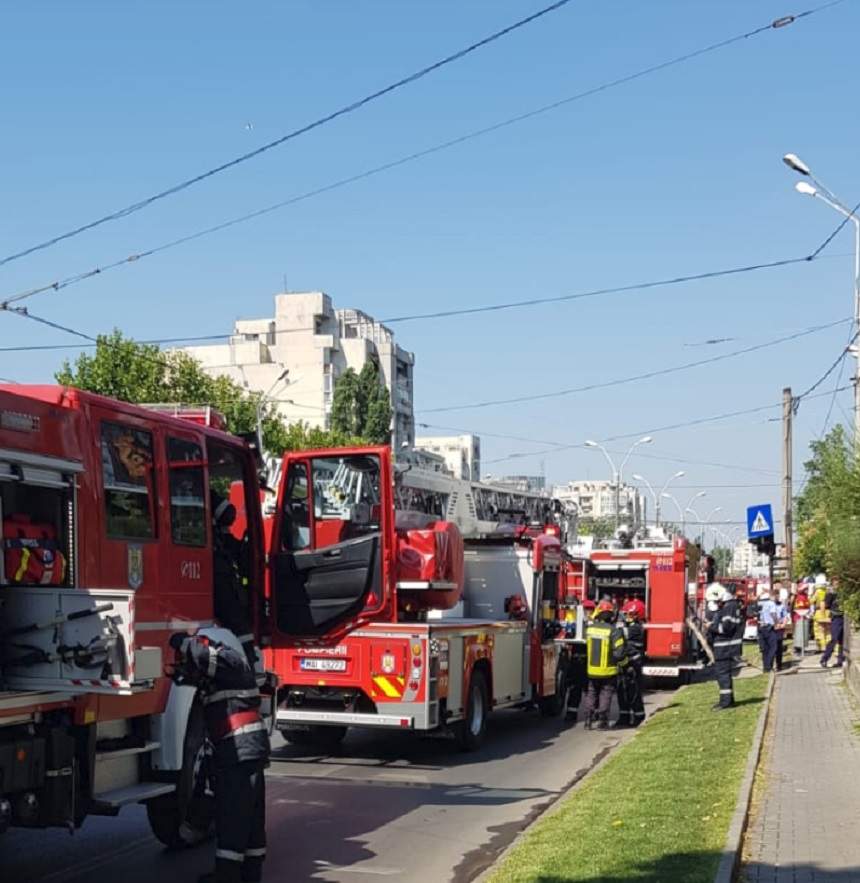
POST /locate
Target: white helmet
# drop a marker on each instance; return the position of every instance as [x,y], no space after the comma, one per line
[715,592]
[821,580]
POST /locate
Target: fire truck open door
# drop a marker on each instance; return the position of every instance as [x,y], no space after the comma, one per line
[332,543]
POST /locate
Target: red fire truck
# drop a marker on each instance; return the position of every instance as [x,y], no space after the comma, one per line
[107,551]
[456,629]
[654,570]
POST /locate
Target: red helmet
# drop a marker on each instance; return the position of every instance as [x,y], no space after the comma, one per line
[634,609]
[604,608]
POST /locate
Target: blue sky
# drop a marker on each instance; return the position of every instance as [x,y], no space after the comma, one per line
[675,173]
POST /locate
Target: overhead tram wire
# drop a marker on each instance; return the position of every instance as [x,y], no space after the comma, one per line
[295,133]
[552,445]
[412,157]
[647,375]
[24,313]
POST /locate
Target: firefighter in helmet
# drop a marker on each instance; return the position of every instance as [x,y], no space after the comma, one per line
[606,653]
[725,633]
[231,601]
[630,694]
[240,742]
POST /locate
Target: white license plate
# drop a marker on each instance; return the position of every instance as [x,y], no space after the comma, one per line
[323,665]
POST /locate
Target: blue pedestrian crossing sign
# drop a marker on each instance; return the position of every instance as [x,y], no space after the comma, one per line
[759,520]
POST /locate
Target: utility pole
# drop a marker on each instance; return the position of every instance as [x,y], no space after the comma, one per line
[787,414]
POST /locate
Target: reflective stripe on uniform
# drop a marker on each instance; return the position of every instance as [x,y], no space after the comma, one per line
[230,855]
[729,690]
[213,661]
[245,639]
[256,853]
[732,643]
[221,695]
[248,728]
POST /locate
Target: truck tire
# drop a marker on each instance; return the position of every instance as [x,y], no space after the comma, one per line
[186,817]
[556,705]
[471,731]
[315,736]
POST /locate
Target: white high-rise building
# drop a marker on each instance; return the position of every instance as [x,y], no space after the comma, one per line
[596,499]
[316,344]
[462,453]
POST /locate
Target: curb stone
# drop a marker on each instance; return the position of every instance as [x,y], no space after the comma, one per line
[732,850]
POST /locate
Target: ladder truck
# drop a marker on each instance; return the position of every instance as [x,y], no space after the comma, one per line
[462,586]
[106,514]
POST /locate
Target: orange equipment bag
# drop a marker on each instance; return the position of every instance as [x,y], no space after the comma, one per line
[31,553]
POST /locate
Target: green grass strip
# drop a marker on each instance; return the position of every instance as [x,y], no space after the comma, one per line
[659,809]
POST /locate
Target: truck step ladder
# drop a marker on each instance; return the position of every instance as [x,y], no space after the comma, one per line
[109,803]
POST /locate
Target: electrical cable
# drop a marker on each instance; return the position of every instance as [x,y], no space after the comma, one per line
[444,145]
[798,399]
[295,133]
[836,232]
[647,375]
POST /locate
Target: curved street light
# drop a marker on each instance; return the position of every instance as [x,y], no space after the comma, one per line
[618,473]
[819,191]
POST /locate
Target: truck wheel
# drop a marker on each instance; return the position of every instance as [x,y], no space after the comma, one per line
[556,705]
[186,817]
[324,738]
[471,731]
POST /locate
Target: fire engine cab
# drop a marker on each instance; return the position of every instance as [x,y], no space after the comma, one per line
[106,512]
[461,609]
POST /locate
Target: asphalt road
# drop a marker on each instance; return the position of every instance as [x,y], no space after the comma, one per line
[385,805]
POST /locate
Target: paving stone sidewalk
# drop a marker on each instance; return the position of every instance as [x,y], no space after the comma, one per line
[804,828]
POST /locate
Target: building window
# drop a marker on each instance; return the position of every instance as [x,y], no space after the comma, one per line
[187,495]
[129,482]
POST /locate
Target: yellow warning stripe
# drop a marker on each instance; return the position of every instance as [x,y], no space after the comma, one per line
[387,687]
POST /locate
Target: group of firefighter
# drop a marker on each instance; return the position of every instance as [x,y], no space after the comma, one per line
[613,665]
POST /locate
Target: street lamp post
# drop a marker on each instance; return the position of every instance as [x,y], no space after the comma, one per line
[688,508]
[680,510]
[827,196]
[618,474]
[705,526]
[638,477]
[679,474]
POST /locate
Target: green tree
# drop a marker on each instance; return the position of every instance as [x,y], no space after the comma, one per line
[599,528]
[722,556]
[360,406]
[827,510]
[142,374]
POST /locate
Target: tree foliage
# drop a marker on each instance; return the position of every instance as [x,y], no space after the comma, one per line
[599,528]
[828,515]
[360,406]
[142,374]
[722,556]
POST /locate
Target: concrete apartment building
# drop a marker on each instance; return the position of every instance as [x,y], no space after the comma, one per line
[462,453]
[746,561]
[316,343]
[596,499]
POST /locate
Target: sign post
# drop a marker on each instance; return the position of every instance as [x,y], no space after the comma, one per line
[761,534]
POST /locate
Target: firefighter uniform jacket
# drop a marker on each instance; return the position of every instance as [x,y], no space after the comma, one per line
[636,643]
[606,649]
[726,630]
[231,700]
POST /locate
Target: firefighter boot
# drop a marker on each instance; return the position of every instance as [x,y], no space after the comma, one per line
[603,724]
[589,721]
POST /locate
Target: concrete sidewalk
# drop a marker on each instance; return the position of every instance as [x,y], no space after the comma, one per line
[804,825]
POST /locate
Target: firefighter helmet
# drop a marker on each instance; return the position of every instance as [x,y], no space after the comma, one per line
[605,610]
[634,609]
[715,592]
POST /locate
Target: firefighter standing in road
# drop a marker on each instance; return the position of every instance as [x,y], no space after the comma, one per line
[606,652]
[725,633]
[240,741]
[630,700]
